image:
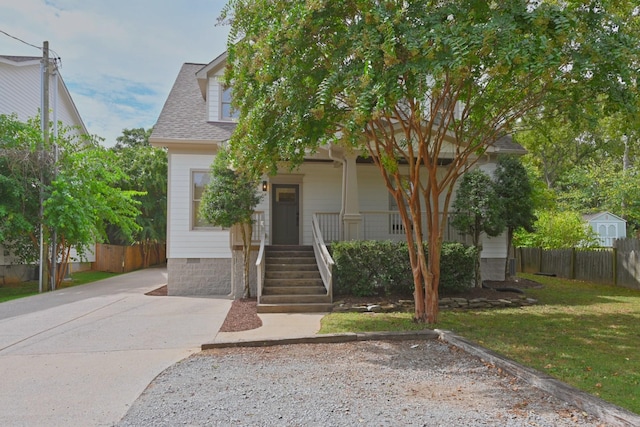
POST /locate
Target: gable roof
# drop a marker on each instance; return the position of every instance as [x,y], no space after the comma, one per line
[183,118]
[598,215]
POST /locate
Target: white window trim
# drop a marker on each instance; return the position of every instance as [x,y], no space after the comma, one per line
[192,204]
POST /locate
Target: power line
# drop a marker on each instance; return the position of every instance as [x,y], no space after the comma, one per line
[20,40]
[56,58]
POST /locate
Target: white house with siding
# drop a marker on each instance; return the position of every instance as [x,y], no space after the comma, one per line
[341,195]
[20,94]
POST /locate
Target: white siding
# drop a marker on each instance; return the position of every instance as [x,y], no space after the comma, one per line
[214,90]
[20,93]
[20,90]
[321,192]
[183,241]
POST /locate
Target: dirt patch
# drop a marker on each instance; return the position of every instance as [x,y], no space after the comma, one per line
[160,292]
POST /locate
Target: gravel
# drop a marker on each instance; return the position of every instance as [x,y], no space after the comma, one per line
[372,383]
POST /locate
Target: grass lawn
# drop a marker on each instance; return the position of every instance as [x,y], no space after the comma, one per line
[25,289]
[584,334]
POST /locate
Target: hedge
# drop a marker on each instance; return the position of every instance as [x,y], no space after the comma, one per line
[378,268]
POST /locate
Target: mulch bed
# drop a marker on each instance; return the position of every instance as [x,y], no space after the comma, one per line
[243,314]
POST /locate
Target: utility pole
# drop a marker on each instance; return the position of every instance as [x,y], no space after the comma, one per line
[44,124]
[54,236]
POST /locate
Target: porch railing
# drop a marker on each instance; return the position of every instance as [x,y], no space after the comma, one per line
[323,258]
[379,225]
[257,226]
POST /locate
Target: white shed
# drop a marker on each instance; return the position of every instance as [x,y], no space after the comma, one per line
[607,226]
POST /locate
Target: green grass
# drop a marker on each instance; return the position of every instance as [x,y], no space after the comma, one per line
[25,289]
[584,334]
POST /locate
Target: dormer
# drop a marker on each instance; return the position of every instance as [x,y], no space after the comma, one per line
[217,96]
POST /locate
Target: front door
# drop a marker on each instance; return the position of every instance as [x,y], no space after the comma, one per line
[286,214]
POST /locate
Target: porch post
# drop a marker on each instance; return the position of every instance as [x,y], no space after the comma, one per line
[351,217]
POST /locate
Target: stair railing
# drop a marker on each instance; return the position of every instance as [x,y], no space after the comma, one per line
[323,258]
[260,263]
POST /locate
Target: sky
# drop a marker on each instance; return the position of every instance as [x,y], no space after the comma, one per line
[119,57]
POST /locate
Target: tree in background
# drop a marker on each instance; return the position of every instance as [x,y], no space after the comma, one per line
[78,189]
[409,83]
[558,230]
[145,168]
[476,210]
[230,199]
[513,188]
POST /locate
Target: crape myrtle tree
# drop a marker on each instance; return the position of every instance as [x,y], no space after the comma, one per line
[230,199]
[477,209]
[77,188]
[408,83]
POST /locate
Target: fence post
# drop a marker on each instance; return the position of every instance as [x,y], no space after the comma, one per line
[539,259]
[614,253]
[573,263]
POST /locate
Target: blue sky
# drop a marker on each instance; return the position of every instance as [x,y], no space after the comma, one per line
[119,57]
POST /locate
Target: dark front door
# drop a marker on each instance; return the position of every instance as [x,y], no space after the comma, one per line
[286,214]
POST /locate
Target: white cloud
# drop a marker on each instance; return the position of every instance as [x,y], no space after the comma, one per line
[119,57]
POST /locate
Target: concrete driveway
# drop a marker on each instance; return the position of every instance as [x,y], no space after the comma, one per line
[81,356]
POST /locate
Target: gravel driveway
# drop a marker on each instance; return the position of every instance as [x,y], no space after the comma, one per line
[372,383]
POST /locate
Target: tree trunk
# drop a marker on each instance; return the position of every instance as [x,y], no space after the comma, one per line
[246,255]
[507,273]
[432,300]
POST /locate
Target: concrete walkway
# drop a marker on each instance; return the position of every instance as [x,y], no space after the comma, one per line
[81,356]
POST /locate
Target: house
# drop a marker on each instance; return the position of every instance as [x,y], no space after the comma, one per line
[607,227]
[20,94]
[332,196]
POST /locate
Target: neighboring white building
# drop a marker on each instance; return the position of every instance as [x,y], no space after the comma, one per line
[344,189]
[20,94]
[607,226]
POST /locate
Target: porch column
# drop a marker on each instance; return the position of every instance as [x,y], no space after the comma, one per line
[351,217]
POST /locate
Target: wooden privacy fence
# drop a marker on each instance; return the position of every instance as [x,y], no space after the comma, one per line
[619,265]
[123,259]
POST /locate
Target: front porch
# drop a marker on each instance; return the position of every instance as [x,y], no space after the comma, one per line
[298,278]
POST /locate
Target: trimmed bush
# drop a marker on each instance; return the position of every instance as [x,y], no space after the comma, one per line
[378,268]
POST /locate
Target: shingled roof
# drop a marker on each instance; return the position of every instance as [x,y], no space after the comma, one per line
[184,115]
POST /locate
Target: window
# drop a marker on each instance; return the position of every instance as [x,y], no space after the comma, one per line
[226,111]
[199,180]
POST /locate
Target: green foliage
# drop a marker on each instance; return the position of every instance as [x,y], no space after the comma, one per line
[309,73]
[231,196]
[514,189]
[145,169]
[477,208]
[358,270]
[557,230]
[77,187]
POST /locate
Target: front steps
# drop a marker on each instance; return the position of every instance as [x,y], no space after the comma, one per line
[292,282]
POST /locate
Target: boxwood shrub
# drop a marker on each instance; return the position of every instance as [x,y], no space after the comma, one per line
[378,268]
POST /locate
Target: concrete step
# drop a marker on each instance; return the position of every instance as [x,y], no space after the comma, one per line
[293,267]
[294,290]
[305,274]
[295,299]
[284,283]
[269,260]
[295,308]
[290,254]
[285,248]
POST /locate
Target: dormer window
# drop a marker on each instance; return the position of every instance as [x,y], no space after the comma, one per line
[226,110]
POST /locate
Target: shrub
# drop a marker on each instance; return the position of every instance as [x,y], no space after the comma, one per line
[377,268]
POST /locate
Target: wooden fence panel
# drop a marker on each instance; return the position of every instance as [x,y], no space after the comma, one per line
[109,258]
[557,261]
[595,266]
[123,259]
[528,260]
[617,266]
[628,262]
